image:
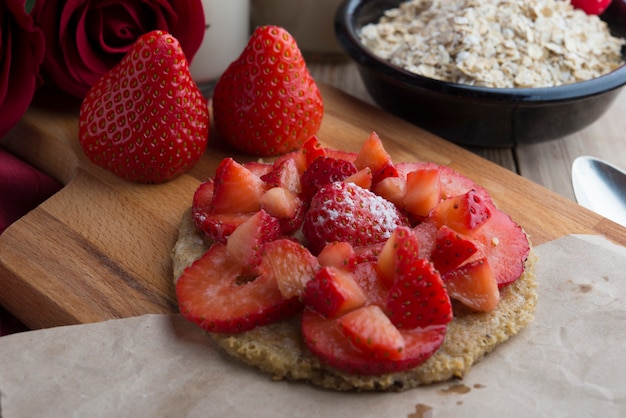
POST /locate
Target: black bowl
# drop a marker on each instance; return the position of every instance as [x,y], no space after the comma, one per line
[470,115]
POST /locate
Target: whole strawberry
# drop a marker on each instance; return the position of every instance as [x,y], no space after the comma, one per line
[266,103]
[146,120]
[346,212]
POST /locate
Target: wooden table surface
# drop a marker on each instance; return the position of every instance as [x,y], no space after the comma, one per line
[548,163]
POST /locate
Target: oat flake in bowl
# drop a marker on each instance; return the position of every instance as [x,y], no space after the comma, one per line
[495,43]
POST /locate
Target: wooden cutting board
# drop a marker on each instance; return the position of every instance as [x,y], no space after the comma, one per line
[100,248]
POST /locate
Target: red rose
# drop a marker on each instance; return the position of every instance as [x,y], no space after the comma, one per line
[86,38]
[21,54]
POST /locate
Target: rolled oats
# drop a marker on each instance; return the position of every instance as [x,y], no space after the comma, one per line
[495,43]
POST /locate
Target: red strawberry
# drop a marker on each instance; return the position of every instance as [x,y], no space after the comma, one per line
[220,226]
[281,203]
[505,245]
[345,212]
[338,254]
[221,204]
[284,174]
[201,203]
[310,151]
[290,264]
[216,226]
[210,294]
[452,182]
[366,276]
[145,120]
[368,253]
[423,191]
[323,171]
[325,339]
[258,168]
[333,292]
[418,297]
[401,247]
[473,284]
[244,244]
[392,189]
[426,233]
[451,249]
[373,155]
[464,213]
[592,7]
[266,102]
[362,178]
[371,331]
[237,189]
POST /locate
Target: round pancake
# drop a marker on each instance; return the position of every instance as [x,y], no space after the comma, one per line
[279,349]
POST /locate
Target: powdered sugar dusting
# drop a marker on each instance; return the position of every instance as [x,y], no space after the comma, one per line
[346,212]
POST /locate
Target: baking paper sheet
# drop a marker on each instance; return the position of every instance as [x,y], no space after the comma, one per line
[570,362]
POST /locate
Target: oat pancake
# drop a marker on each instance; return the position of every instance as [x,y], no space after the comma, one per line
[279,349]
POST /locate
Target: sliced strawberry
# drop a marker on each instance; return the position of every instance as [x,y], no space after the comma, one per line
[451,249]
[281,203]
[282,200]
[452,182]
[338,254]
[332,292]
[325,339]
[387,171]
[244,244]
[201,203]
[284,174]
[505,245]
[291,226]
[368,253]
[423,191]
[258,168]
[373,155]
[362,178]
[473,284]
[216,226]
[346,212]
[426,233]
[323,171]
[376,291]
[290,264]
[211,294]
[392,189]
[310,151]
[464,213]
[418,297]
[401,247]
[340,154]
[237,189]
[371,331]
[219,226]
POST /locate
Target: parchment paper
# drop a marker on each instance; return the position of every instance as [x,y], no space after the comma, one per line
[570,362]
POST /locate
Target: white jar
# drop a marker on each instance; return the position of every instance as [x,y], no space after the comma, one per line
[227,33]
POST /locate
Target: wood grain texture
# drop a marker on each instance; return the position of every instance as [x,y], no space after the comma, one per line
[100,248]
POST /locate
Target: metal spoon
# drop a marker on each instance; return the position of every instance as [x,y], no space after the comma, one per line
[600,187]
